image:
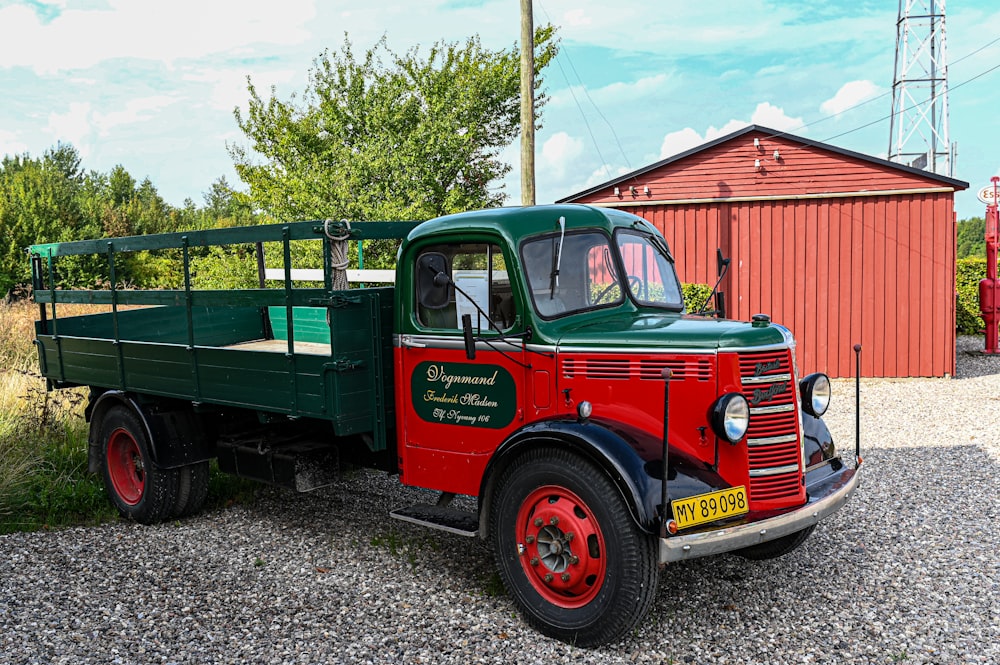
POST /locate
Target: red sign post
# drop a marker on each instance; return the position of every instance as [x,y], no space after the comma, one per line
[989,288]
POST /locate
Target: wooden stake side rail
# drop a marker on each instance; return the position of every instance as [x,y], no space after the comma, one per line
[217,346]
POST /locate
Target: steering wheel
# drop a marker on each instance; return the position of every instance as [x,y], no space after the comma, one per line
[633,284]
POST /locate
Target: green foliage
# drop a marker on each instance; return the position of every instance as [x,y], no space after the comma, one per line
[388,136]
[37,204]
[968,273]
[51,199]
[972,237]
[695,295]
[230,267]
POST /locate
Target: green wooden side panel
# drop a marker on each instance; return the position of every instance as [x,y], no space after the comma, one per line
[213,326]
[308,324]
[360,377]
[262,380]
[160,368]
[352,387]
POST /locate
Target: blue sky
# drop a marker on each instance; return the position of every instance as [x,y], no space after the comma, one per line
[152,85]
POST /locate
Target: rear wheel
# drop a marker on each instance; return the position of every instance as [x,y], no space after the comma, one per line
[192,489]
[569,551]
[139,489]
[772,549]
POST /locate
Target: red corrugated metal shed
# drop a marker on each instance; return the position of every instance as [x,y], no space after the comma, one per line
[839,246]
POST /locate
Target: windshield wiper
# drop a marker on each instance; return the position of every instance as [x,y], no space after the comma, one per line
[557,259]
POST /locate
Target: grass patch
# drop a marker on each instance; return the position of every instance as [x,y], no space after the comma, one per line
[44,481]
[43,458]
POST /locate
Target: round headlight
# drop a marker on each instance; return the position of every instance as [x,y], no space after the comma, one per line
[731,417]
[584,409]
[815,392]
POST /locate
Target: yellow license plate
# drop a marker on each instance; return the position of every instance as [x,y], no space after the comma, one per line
[709,507]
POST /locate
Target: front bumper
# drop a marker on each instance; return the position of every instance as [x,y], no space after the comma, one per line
[825,498]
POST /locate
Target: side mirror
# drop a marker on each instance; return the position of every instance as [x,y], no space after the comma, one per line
[432,280]
[720,263]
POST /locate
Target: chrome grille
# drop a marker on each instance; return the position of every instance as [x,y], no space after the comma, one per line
[774,452]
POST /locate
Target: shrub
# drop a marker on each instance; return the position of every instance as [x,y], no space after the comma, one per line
[695,295]
[968,272]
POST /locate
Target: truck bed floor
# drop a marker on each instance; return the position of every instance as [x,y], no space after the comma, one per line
[281,346]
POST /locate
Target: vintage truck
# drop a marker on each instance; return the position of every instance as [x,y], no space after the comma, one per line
[538,359]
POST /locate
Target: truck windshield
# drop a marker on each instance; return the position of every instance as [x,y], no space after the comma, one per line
[649,269]
[589,273]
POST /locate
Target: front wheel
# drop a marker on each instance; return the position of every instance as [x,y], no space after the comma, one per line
[139,489]
[569,551]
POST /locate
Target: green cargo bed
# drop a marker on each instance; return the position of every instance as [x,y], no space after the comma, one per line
[300,352]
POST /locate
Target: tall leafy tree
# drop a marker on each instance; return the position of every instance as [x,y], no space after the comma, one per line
[38,204]
[971,237]
[387,135]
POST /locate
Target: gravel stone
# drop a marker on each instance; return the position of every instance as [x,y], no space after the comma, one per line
[908,572]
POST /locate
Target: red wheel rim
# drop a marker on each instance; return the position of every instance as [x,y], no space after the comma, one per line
[125,466]
[561,547]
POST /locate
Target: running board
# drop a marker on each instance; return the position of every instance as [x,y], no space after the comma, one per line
[444,518]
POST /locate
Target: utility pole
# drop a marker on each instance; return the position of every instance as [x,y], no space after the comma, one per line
[527,105]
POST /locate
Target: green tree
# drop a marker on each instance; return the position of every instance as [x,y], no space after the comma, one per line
[38,203]
[972,237]
[53,199]
[224,206]
[388,136]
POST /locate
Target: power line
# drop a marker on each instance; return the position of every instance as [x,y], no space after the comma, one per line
[910,108]
[606,165]
[886,94]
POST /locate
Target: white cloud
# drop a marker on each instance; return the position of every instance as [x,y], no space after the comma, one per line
[10,144]
[560,153]
[765,114]
[617,93]
[677,142]
[850,94]
[73,126]
[576,17]
[718,27]
[775,118]
[165,32]
[136,110]
[602,174]
[687,138]
[229,86]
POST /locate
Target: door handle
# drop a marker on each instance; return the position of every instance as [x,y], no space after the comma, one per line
[410,343]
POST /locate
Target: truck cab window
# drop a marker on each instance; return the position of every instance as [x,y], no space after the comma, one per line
[591,273]
[479,272]
[586,276]
[652,279]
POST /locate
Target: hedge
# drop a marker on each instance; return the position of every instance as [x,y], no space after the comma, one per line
[968,272]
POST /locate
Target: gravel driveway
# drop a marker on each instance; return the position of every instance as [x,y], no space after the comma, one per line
[908,572]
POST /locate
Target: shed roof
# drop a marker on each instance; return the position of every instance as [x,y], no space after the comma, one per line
[804,176]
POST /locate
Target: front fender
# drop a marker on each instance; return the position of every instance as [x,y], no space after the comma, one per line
[821,456]
[621,451]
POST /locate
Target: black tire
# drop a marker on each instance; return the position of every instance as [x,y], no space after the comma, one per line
[139,489]
[192,489]
[772,549]
[587,590]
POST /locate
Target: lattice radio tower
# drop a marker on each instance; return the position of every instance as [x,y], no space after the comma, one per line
[918,129]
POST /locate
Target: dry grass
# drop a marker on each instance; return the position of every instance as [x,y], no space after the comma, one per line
[42,433]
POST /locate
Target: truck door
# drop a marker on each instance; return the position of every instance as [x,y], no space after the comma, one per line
[456,410]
